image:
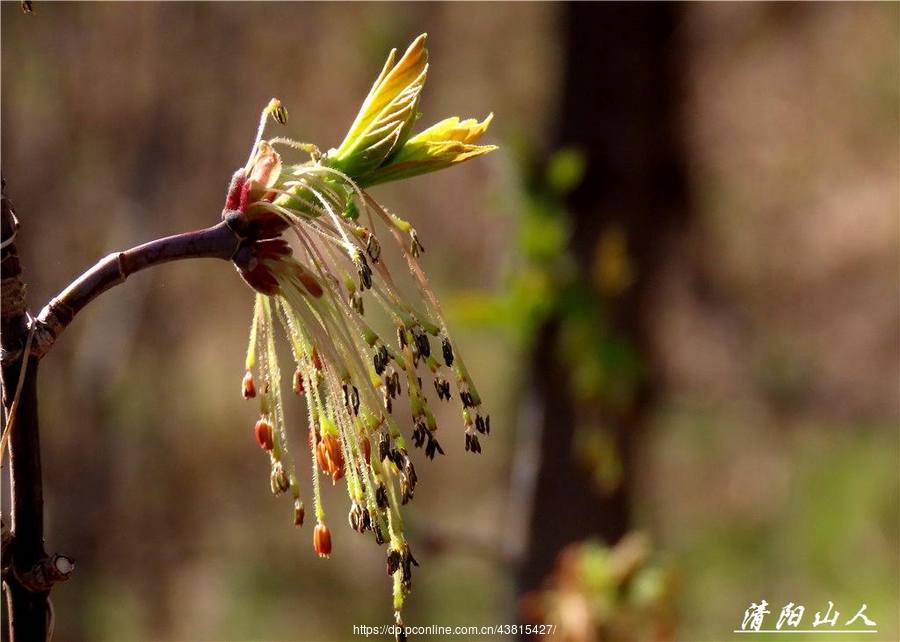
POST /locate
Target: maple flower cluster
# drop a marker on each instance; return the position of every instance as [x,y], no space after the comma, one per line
[319,290]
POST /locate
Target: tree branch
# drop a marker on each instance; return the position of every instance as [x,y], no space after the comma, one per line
[218,242]
[28,572]
[28,609]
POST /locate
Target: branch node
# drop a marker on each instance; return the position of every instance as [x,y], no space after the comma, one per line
[120,264]
[46,573]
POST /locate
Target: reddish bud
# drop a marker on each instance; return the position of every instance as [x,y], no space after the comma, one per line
[322,457]
[322,540]
[330,456]
[233,199]
[263,430]
[249,388]
[335,456]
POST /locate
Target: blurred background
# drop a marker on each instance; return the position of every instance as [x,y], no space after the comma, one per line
[676,285]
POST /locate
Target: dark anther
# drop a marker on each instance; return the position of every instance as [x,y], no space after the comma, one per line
[355,398]
[393,561]
[479,424]
[432,446]
[364,272]
[373,248]
[472,443]
[381,498]
[359,518]
[346,395]
[406,563]
[487,424]
[379,535]
[407,571]
[467,400]
[442,386]
[421,338]
[380,359]
[393,384]
[419,434]
[410,470]
[401,336]
[280,114]
[406,489]
[356,302]
[448,351]
[416,246]
[384,446]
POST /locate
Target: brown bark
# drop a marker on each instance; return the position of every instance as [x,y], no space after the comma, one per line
[27,610]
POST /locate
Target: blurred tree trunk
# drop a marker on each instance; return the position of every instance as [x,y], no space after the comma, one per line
[619,108]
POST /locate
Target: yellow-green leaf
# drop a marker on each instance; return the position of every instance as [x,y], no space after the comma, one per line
[387,116]
[446,143]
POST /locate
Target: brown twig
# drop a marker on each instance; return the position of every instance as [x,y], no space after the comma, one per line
[218,241]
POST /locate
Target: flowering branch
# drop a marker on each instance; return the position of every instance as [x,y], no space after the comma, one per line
[323,292]
[348,374]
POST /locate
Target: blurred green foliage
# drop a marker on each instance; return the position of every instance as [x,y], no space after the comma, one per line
[600,592]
